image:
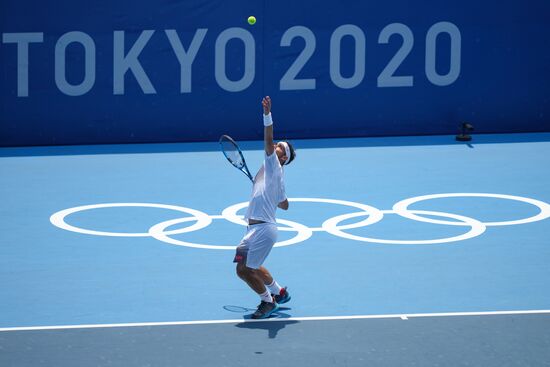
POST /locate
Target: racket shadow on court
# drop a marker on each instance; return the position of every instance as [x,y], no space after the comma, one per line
[273,324]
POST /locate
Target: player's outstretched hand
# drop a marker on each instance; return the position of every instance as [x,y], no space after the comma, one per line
[266,103]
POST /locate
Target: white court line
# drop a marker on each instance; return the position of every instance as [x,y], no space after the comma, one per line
[238,321]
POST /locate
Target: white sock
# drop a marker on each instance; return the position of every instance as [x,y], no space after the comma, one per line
[266,296]
[274,287]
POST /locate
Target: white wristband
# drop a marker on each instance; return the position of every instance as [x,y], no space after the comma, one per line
[268,121]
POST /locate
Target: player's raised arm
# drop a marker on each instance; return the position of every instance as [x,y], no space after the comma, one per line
[268,126]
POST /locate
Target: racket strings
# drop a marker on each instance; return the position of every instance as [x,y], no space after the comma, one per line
[232,153]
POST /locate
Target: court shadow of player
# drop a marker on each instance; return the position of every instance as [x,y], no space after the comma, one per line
[273,325]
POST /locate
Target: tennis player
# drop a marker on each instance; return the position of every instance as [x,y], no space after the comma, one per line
[268,193]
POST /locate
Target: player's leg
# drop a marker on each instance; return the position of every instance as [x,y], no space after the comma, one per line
[265,275]
[258,244]
[259,253]
[249,256]
[251,277]
[279,294]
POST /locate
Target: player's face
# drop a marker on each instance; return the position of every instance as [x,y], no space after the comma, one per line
[280,151]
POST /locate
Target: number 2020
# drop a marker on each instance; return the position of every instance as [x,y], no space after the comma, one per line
[387,77]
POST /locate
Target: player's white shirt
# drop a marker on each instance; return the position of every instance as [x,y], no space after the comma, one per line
[268,190]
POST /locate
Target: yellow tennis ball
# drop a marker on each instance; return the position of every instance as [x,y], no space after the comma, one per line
[251,20]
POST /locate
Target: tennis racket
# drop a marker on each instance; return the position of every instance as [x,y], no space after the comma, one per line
[234,155]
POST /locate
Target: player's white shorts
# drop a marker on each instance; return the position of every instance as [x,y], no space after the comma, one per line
[256,244]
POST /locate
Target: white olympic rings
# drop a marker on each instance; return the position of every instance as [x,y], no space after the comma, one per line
[478,228]
[201,220]
[58,219]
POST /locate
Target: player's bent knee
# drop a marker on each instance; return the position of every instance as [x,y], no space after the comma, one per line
[244,271]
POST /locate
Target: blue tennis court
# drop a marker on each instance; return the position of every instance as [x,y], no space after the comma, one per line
[397,251]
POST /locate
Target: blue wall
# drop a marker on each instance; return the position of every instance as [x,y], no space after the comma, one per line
[84,72]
